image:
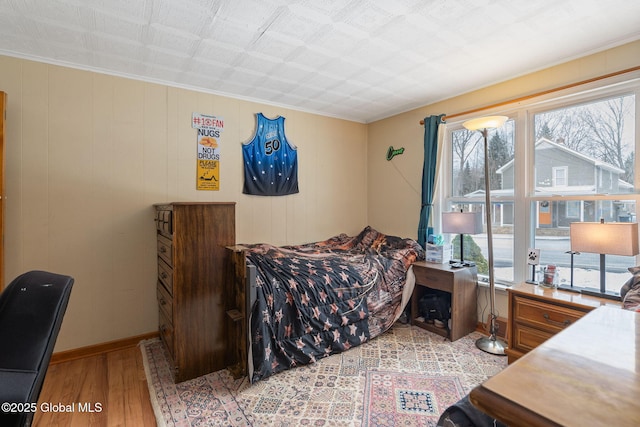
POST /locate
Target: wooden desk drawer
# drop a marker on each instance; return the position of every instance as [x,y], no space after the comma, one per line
[434,279]
[547,317]
[165,302]
[537,313]
[525,339]
[165,275]
[165,249]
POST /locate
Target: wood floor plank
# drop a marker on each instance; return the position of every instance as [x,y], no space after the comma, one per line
[104,390]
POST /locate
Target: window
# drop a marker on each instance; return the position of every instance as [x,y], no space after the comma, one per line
[555,161]
[559,176]
[596,139]
[573,209]
[467,154]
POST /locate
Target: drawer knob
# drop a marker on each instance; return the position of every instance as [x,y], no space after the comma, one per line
[163,249]
[164,275]
[564,324]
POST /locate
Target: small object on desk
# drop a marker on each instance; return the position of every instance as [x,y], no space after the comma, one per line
[438,254]
[550,277]
[459,263]
[456,265]
[533,259]
[436,239]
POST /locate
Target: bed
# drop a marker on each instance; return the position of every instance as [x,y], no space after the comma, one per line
[293,305]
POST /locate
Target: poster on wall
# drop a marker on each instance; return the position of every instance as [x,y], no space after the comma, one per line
[208,161]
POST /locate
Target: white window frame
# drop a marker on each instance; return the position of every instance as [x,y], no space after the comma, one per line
[524,194]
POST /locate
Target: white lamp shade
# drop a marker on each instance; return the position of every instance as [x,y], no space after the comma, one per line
[612,238]
[462,222]
[487,122]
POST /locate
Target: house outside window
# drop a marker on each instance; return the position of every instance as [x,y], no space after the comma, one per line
[553,163]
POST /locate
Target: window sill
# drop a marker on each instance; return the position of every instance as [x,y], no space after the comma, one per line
[500,287]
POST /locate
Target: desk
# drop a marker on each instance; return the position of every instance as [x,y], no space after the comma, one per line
[586,375]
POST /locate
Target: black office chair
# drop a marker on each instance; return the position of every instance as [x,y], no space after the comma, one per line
[464,414]
[31,310]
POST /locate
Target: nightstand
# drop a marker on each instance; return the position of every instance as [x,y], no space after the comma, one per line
[461,283]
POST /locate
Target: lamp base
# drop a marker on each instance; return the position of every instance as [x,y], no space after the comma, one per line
[492,345]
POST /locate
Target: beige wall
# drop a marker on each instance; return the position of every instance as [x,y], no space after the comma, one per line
[394,187]
[88,154]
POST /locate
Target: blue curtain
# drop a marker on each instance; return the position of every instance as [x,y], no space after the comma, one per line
[431,124]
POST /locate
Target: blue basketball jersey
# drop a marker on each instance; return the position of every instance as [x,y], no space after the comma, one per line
[270,162]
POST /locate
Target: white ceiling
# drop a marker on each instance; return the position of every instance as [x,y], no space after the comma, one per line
[360,60]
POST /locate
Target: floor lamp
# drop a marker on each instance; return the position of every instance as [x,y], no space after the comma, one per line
[491,344]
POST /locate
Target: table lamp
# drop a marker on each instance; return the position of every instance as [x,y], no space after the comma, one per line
[462,223]
[611,238]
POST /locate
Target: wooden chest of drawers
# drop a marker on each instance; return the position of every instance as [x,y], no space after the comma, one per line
[191,239]
[537,313]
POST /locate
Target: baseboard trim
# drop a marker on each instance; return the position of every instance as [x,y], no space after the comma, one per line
[96,349]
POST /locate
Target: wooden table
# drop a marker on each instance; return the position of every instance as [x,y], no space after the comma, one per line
[586,375]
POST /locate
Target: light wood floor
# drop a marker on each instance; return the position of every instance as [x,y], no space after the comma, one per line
[114,380]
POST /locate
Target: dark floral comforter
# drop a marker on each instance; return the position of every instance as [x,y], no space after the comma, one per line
[322,298]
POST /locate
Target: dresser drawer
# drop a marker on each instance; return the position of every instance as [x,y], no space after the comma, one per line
[166,332]
[163,221]
[547,317]
[165,301]
[525,339]
[537,313]
[165,249]
[165,275]
[433,278]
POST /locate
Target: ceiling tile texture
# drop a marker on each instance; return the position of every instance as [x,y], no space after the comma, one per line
[359,60]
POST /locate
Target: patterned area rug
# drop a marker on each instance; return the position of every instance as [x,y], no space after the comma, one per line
[404,399]
[407,376]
